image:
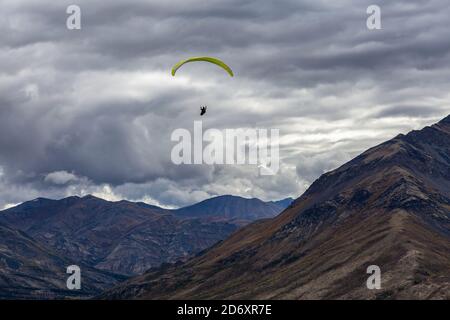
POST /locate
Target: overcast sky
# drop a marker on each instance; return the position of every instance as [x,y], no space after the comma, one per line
[92,110]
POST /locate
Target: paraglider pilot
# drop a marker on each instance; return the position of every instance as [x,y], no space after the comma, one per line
[203,110]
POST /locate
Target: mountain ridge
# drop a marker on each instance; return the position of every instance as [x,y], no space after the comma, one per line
[231,207]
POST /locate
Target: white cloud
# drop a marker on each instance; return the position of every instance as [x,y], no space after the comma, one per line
[61,177]
[105,192]
[9,205]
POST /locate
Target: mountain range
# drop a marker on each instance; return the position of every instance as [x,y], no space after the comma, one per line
[389,207]
[111,240]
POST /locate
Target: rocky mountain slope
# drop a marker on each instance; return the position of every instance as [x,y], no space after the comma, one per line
[125,237]
[30,270]
[388,207]
[121,237]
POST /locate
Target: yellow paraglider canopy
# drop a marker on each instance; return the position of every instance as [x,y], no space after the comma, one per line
[206,59]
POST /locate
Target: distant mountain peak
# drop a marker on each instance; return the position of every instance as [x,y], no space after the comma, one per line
[92,197]
[40,199]
[233,207]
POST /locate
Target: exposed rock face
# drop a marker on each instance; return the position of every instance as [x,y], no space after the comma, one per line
[389,207]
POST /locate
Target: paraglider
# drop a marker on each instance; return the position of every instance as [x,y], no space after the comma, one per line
[205,59]
[215,61]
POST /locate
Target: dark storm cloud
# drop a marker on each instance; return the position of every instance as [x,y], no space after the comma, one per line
[91,111]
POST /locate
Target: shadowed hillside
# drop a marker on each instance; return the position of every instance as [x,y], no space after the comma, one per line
[30,270]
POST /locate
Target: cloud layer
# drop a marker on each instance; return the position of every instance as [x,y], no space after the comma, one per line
[92,110]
